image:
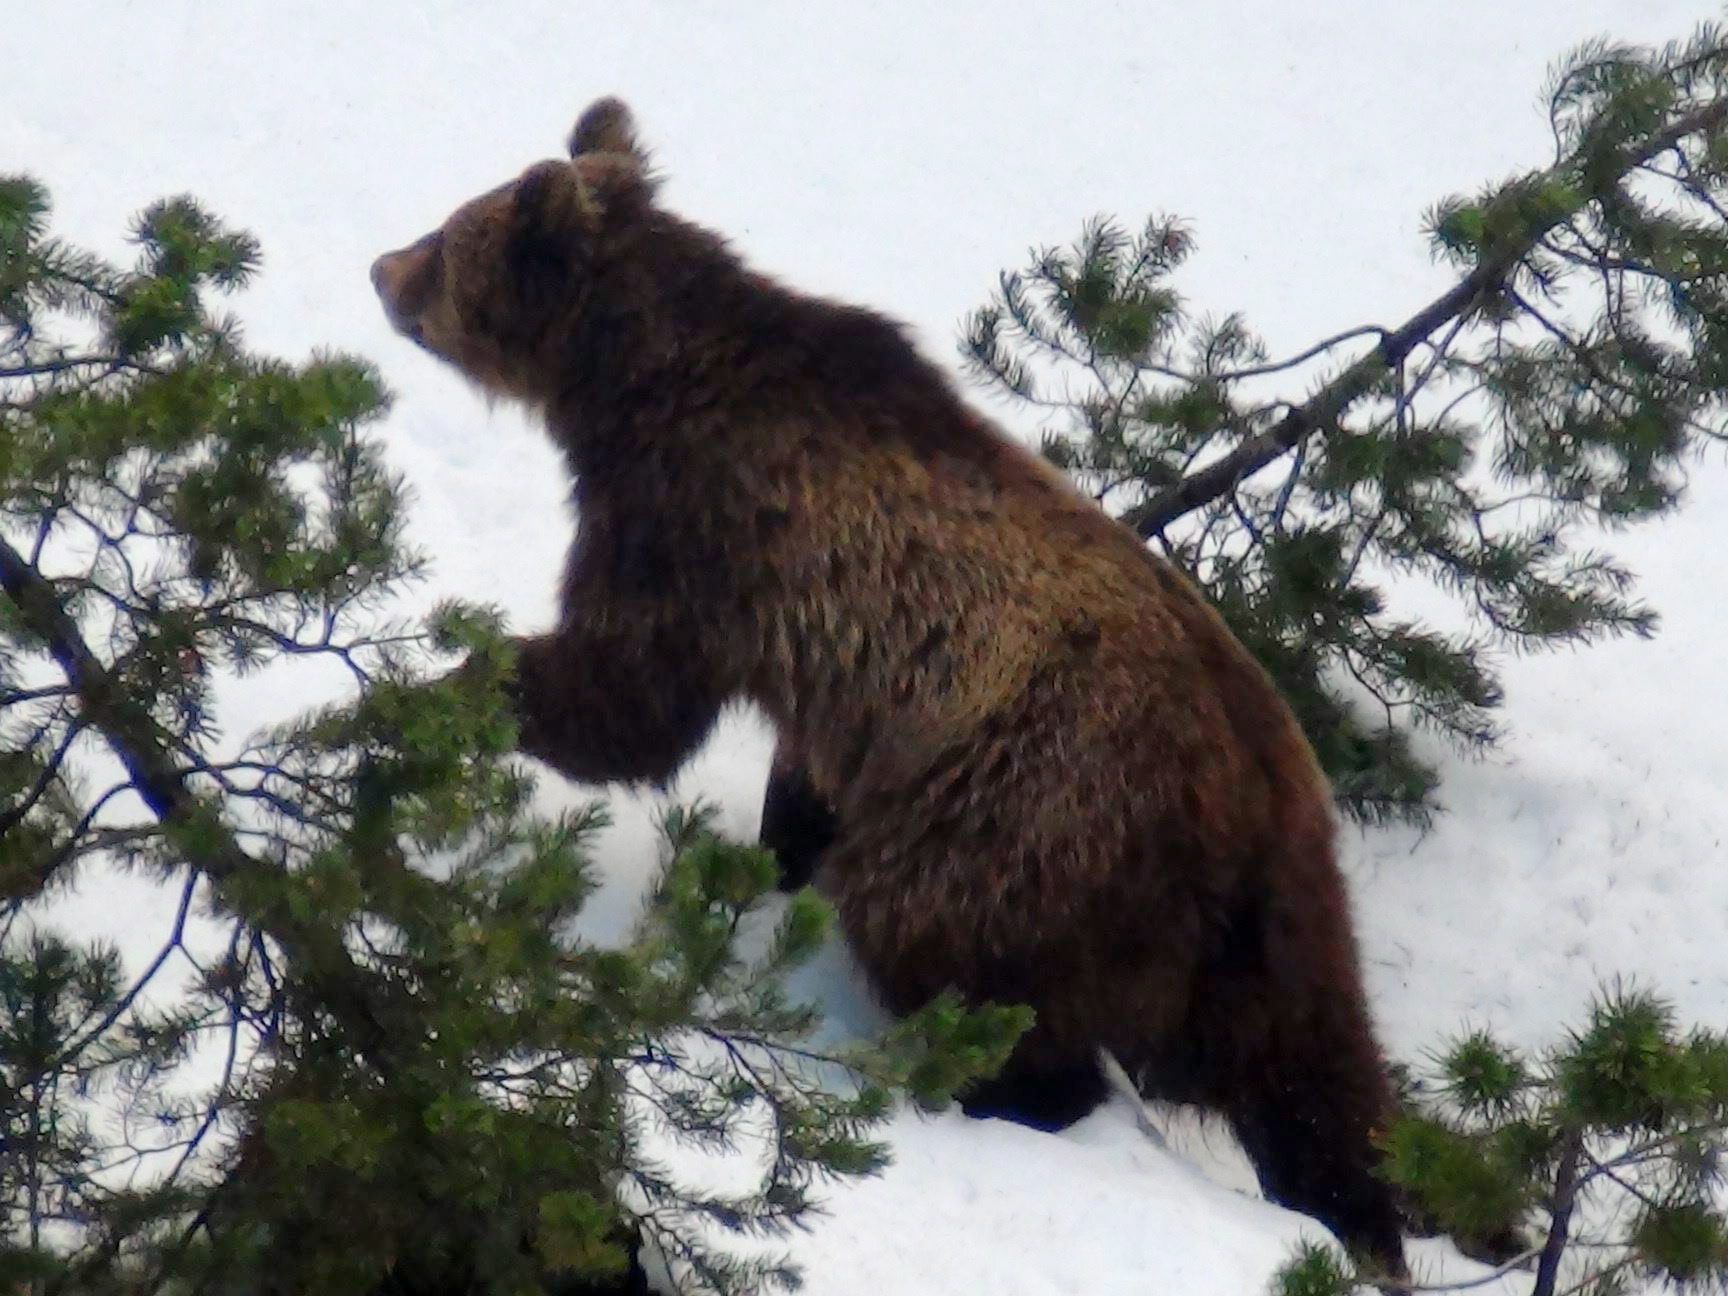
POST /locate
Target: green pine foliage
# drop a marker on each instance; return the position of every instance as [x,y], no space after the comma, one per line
[1560,389]
[1594,1164]
[371,1053]
[60,1042]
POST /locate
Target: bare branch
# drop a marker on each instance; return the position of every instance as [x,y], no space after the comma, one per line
[44,780]
[1560,1215]
[1302,357]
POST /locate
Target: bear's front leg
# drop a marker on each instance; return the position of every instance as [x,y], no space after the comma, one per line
[612,707]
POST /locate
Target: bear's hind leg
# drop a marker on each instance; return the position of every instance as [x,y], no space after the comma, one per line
[1307,1123]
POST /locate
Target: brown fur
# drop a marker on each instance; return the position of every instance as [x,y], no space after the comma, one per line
[1057,778]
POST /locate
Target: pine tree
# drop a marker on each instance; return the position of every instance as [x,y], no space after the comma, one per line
[60,1042]
[400,1070]
[1598,1161]
[1562,386]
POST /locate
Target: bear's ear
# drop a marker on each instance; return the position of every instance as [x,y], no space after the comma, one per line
[550,196]
[606,126]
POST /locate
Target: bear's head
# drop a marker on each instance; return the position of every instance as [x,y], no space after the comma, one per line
[497,289]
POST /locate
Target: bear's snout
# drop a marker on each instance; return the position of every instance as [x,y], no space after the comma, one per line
[404,280]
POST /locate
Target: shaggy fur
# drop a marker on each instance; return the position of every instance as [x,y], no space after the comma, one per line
[1055,777]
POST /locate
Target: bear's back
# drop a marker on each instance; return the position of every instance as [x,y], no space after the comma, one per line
[941,573]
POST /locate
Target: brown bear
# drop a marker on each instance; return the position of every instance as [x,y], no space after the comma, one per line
[1055,777]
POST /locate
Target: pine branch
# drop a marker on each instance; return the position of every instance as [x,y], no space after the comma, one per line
[125,1002]
[1301,357]
[142,747]
[1494,1275]
[1323,409]
[1560,1218]
[48,368]
[44,781]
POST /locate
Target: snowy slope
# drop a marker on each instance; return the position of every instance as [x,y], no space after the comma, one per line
[900,154]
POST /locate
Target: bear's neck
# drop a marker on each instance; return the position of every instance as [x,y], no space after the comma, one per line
[707,352]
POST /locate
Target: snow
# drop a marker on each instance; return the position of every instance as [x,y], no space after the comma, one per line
[901,154]
[1109,1213]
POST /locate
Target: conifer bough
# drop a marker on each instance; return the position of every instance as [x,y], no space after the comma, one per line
[1469,294]
[140,745]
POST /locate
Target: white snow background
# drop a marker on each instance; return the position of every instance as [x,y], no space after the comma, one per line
[900,154]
